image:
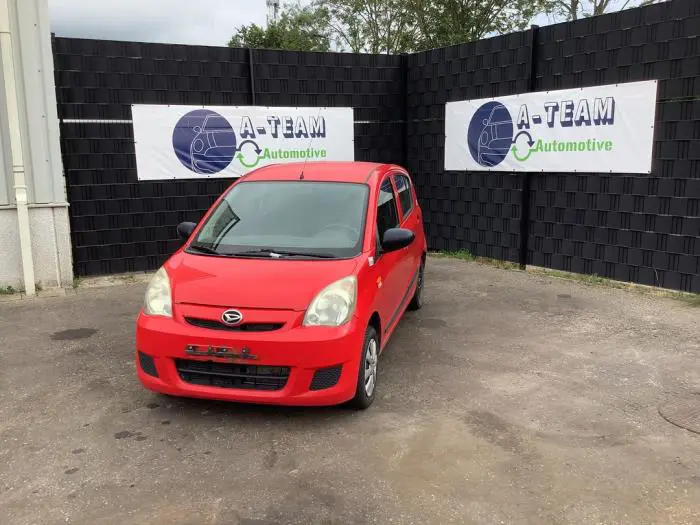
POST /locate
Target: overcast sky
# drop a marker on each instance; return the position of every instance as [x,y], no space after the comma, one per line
[199,22]
[203,22]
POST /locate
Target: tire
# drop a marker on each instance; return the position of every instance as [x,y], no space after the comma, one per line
[417,299]
[366,391]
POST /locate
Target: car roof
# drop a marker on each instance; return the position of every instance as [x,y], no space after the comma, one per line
[321,171]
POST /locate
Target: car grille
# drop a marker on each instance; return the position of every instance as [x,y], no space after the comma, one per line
[230,375]
[243,327]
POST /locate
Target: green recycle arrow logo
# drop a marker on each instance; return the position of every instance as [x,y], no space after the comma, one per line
[514,149]
[530,143]
[240,157]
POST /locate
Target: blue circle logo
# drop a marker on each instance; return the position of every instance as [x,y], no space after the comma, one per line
[204,141]
[490,134]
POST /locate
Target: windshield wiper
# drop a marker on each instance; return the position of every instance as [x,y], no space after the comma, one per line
[204,249]
[266,252]
[263,252]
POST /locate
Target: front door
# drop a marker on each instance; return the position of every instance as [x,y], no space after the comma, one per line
[386,265]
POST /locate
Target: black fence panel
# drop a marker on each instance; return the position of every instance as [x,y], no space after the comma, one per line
[120,224]
[639,228]
[631,227]
[474,211]
[372,84]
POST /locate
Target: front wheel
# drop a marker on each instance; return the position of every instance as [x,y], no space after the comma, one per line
[367,375]
[417,300]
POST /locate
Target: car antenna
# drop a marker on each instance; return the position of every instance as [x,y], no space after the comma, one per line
[306,159]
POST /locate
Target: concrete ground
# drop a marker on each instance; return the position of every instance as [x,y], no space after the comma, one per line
[510,398]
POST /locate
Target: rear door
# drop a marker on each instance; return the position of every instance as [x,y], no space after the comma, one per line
[409,218]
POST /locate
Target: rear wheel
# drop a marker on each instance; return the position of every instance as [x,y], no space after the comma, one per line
[417,300]
[367,375]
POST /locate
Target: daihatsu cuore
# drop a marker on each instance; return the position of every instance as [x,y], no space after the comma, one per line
[288,289]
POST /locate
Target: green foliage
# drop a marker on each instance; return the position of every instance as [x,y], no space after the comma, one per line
[372,26]
[386,26]
[299,28]
[443,23]
[7,290]
[691,300]
[465,255]
[400,26]
[576,9]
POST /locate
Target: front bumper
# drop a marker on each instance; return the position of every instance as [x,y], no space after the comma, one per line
[303,349]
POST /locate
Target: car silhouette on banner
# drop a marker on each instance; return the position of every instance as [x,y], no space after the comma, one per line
[490,134]
[213,145]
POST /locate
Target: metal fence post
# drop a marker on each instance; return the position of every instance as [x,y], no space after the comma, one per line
[404,117]
[251,66]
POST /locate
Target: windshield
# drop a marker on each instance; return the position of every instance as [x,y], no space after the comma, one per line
[287,218]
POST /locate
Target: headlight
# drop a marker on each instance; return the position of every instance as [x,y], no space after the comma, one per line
[334,305]
[158,299]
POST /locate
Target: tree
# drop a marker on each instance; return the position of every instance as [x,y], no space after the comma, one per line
[446,22]
[397,26]
[371,26]
[575,9]
[299,28]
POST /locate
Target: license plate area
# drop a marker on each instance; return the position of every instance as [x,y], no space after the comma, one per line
[224,352]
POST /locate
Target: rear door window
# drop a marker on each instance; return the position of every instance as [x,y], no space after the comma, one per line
[403,189]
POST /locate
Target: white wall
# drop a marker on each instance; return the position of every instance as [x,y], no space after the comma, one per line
[50,248]
[10,262]
[30,37]
[6,196]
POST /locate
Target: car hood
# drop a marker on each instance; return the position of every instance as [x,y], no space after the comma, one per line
[284,284]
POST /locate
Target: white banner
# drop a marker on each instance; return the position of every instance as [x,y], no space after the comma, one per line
[595,129]
[186,142]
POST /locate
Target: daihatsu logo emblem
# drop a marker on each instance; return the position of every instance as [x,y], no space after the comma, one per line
[232,317]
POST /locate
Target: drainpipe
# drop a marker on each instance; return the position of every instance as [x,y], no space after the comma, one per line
[13,114]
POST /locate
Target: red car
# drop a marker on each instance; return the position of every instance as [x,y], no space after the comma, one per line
[288,289]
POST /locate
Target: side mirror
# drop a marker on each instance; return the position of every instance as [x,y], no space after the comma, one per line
[397,238]
[185,229]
